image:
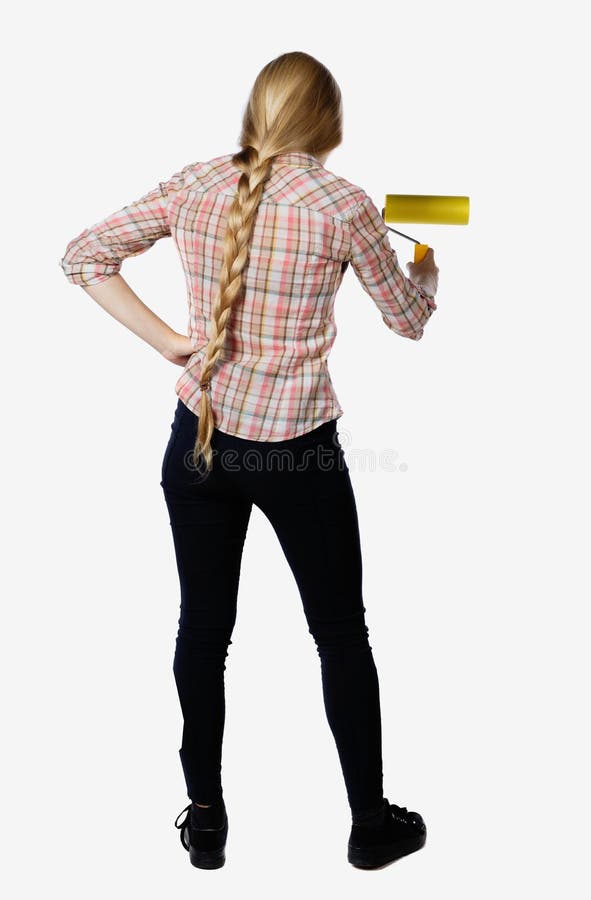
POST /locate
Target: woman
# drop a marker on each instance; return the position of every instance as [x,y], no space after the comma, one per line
[265,236]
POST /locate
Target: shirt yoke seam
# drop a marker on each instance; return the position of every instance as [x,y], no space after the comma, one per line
[344,216]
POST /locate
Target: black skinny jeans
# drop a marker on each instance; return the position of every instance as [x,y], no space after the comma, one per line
[303,487]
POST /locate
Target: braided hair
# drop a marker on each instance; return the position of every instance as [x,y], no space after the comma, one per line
[295,104]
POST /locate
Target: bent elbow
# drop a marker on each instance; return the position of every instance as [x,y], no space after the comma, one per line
[405,331]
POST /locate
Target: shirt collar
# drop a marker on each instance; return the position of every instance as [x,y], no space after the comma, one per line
[297,159]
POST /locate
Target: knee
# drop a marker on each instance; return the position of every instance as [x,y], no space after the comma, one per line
[200,643]
[347,635]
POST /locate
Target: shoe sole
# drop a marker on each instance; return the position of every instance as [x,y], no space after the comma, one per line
[373,857]
[207,859]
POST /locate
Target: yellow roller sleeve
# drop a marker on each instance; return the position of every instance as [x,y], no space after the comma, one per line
[428,209]
[435,210]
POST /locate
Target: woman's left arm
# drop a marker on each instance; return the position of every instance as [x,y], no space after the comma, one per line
[93,260]
[120,301]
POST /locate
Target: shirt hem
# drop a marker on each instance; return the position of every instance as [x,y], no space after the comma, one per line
[310,425]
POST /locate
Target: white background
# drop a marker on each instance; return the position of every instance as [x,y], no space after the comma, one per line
[475,552]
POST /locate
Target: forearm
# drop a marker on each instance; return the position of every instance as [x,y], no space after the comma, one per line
[119,300]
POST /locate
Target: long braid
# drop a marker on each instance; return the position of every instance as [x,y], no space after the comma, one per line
[256,168]
[295,103]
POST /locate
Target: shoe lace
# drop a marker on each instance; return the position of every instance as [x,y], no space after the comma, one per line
[399,812]
[184,826]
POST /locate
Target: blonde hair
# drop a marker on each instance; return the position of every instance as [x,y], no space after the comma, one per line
[294,105]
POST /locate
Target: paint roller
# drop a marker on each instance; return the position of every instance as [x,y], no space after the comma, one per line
[426,209]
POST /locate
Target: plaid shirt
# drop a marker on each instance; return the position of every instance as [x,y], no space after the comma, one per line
[271,380]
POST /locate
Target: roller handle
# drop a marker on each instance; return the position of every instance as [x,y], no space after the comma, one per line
[420,249]
[420,252]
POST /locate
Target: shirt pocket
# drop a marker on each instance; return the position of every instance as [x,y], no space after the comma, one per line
[328,239]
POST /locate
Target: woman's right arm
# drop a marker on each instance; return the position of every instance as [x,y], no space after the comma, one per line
[406,306]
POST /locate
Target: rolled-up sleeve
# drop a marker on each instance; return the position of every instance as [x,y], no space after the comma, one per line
[405,307]
[98,252]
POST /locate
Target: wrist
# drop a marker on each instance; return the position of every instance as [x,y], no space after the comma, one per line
[425,288]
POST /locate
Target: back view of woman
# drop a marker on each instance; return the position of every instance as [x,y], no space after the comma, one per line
[265,236]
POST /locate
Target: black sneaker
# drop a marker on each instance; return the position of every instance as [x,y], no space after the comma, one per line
[204,831]
[397,833]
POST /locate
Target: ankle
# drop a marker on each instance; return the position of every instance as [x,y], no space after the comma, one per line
[373,816]
[216,803]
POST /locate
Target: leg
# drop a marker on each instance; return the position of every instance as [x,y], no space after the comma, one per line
[209,523]
[314,514]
